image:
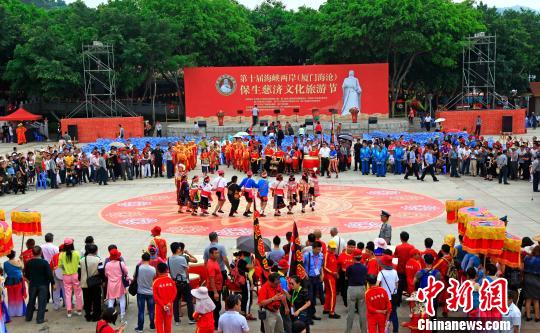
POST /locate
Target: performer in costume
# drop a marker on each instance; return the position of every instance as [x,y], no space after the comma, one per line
[278,192]
[330,269]
[183,194]
[255,160]
[206,195]
[194,195]
[247,185]
[158,242]
[292,193]
[205,161]
[313,189]
[303,191]
[21,134]
[218,185]
[262,191]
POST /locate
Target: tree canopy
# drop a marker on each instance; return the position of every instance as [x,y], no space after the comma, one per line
[41,41]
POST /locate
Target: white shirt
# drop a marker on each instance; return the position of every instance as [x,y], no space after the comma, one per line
[232,322]
[301,131]
[324,152]
[513,316]
[428,119]
[158,127]
[218,183]
[389,281]
[255,112]
[49,250]
[341,244]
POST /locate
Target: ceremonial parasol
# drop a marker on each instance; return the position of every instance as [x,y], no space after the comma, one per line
[440,120]
[484,237]
[469,214]
[452,207]
[118,144]
[240,135]
[510,255]
[26,223]
[6,241]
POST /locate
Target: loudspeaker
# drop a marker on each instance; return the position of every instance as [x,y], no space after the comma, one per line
[308,122]
[73,131]
[372,120]
[507,124]
[296,110]
[277,111]
[201,123]
[263,123]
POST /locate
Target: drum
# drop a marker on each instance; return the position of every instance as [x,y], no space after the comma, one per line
[198,268]
[194,280]
[295,163]
[310,162]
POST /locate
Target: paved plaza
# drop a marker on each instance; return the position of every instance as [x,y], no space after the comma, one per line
[87,210]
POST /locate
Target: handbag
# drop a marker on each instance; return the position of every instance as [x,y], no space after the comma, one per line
[395,299]
[261,314]
[92,281]
[125,281]
[134,285]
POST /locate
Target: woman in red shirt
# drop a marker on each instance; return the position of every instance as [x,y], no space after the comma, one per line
[108,317]
[204,310]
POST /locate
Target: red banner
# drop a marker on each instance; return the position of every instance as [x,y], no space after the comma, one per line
[341,87]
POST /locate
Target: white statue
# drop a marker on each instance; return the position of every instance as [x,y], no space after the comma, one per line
[352,93]
[225,87]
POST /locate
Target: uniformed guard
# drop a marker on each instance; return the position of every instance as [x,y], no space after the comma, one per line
[386,229]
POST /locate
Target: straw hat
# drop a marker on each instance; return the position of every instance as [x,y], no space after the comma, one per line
[200,293]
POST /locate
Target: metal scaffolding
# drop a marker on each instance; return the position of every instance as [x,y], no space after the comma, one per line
[100,83]
[479,59]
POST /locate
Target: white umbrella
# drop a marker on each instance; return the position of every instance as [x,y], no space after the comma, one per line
[440,120]
[117,144]
[240,135]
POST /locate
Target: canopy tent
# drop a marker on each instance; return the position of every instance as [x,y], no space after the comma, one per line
[21,115]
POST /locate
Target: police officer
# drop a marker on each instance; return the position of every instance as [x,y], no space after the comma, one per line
[386,229]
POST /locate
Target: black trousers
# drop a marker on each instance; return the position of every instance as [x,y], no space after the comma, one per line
[234,206]
[325,164]
[429,169]
[170,169]
[183,290]
[503,174]
[92,303]
[411,168]
[536,180]
[218,306]
[477,130]
[39,293]
[158,170]
[453,167]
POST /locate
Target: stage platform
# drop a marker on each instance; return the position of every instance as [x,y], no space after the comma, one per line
[232,126]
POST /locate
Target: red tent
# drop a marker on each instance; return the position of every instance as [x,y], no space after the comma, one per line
[20,115]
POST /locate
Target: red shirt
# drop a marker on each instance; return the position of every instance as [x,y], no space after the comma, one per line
[104,327]
[318,128]
[27,255]
[164,289]
[430,251]
[411,268]
[330,263]
[161,245]
[267,292]
[372,266]
[214,271]
[345,260]
[403,253]
[442,264]
[205,321]
[377,299]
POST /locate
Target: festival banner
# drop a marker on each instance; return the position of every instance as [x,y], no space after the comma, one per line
[296,260]
[260,254]
[294,90]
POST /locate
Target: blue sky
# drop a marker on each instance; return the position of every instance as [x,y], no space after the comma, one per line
[316,3]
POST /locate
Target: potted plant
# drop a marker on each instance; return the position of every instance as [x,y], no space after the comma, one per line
[220,117]
[354,114]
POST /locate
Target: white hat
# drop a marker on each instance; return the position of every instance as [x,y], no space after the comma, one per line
[380,243]
[200,293]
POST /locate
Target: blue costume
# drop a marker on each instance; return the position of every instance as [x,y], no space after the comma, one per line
[398,158]
[364,158]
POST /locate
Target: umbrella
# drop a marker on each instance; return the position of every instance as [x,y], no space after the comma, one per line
[240,134]
[345,136]
[440,120]
[246,243]
[117,144]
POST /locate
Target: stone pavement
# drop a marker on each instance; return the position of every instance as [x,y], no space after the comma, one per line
[74,212]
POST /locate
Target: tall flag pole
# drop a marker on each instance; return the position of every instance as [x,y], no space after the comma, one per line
[296,260]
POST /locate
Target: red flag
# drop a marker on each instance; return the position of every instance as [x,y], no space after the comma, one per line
[296,259]
[260,256]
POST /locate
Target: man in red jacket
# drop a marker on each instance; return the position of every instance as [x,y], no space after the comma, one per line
[378,306]
[164,289]
[330,277]
[403,253]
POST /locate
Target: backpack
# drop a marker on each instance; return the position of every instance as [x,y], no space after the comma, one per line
[238,279]
[425,275]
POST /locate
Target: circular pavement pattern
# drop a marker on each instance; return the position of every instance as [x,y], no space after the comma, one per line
[350,208]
